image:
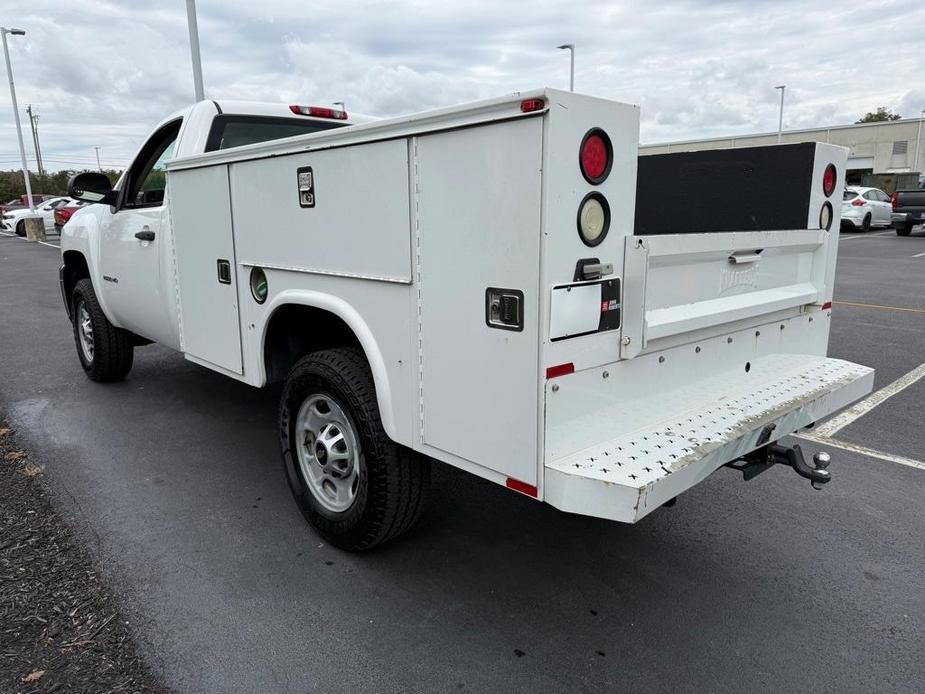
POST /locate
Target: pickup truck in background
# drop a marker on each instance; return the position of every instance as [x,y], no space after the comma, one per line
[502,286]
[908,209]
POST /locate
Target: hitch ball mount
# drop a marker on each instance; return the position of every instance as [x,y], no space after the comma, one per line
[767,456]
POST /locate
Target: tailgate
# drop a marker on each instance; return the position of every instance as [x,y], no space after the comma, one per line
[689,286]
[728,238]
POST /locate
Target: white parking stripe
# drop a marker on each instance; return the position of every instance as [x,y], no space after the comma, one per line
[866,236]
[16,236]
[863,450]
[918,255]
[836,424]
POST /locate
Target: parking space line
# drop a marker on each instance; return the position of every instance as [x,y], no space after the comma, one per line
[885,308]
[839,422]
[866,236]
[16,236]
[919,255]
[863,450]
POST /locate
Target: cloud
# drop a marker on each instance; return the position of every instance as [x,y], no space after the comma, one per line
[102,73]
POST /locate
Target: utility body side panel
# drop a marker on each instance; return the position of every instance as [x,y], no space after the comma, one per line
[208,304]
[478,226]
[358,225]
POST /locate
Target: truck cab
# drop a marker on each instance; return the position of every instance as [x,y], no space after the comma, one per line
[118,238]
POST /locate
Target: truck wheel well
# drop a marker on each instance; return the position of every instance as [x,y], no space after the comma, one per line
[75,269]
[295,331]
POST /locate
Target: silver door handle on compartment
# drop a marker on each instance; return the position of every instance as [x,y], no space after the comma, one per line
[742,258]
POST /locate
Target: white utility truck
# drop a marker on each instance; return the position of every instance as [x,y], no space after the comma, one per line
[504,286]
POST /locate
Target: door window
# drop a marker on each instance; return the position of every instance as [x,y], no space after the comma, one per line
[147,178]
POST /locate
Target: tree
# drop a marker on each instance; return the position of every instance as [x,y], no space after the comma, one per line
[879,116]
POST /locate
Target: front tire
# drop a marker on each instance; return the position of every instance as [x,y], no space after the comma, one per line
[105,351]
[21,228]
[355,486]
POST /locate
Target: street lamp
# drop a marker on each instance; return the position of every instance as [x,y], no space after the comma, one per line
[780,122]
[193,26]
[571,76]
[22,148]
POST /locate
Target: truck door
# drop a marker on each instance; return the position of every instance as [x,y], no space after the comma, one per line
[131,244]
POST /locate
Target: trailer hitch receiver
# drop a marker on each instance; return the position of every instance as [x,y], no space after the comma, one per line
[764,458]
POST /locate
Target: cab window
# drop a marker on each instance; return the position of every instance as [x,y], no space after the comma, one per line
[146,180]
[236,131]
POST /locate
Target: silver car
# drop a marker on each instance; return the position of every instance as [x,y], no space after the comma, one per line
[863,208]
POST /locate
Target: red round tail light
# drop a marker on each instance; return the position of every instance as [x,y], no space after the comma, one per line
[595,156]
[828,180]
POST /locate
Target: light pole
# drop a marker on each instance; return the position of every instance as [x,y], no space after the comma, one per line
[780,122]
[34,122]
[98,165]
[194,48]
[918,143]
[571,74]
[22,148]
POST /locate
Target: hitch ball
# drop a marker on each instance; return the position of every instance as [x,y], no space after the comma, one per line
[822,460]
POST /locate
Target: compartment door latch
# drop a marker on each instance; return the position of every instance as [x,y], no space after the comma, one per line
[504,308]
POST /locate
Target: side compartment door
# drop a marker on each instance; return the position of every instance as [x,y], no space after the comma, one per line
[210,329]
[479,228]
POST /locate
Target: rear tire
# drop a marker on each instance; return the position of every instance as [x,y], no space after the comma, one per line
[904,230]
[21,228]
[105,351]
[363,489]
[865,225]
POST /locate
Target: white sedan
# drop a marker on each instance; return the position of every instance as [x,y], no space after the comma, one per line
[13,220]
[863,208]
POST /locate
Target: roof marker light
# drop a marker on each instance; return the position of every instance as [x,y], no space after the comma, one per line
[318,112]
[530,105]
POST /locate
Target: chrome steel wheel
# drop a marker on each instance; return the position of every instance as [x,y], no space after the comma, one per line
[85,331]
[329,452]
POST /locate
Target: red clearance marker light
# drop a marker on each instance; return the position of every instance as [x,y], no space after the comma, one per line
[560,370]
[522,487]
[595,156]
[827,305]
[318,112]
[530,105]
[828,180]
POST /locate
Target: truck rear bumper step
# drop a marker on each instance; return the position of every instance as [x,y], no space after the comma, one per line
[627,477]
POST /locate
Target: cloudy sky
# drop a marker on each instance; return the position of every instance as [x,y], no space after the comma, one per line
[100,73]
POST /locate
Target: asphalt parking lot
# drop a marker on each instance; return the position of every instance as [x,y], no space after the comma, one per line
[174,476]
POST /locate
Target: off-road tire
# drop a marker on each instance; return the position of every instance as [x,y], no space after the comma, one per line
[865,225]
[904,230]
[113,353]
[393,479]
[21,228]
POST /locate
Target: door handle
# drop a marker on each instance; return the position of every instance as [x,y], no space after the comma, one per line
[145,234]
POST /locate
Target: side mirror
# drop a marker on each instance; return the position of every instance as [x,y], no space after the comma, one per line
[91,186]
